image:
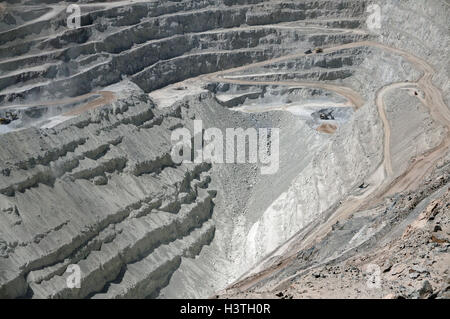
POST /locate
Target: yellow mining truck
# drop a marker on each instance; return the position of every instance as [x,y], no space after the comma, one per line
[9,117]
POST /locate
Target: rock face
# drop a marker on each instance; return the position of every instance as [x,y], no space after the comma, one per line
[87,177]
[102,192]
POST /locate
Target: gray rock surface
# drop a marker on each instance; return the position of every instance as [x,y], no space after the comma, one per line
[87,177]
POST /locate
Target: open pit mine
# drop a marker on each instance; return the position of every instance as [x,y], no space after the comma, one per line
[334,184]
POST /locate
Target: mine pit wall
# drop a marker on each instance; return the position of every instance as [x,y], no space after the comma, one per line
[109,201]
[356,150]
[161,39]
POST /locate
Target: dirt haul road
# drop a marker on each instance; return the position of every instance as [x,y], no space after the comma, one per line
[101,98]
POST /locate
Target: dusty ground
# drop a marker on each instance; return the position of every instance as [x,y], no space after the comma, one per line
[327,128]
